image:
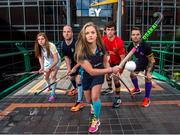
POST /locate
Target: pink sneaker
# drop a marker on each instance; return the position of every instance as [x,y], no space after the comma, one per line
[51,99]
[94,126]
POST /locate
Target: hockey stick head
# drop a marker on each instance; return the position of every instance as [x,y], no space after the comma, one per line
[154,26]
[159,15]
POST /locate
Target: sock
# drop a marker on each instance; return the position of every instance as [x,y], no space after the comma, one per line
[148,86]
[53,89]
[74,83]
[135,82]
[80,93]
[117,88]
[109,82]
[97,108]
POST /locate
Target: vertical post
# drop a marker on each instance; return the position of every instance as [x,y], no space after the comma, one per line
[119,18]
[27,63]
[68,12]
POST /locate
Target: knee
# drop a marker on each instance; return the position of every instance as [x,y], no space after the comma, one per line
[132,75]
[78,81]
[72,78]
[46,78]
[53,79]
[148,79]
[96,98]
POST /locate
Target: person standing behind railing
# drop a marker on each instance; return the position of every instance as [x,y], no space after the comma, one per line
[49,60]
[144,61]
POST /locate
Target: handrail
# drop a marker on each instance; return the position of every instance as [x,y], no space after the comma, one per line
[16,41]
[15,53]
[166,52]
[15,86]
[171,76]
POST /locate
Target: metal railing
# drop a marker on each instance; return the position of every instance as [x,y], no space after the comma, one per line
[18,56]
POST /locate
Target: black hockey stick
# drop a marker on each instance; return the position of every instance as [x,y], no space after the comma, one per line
[39,92]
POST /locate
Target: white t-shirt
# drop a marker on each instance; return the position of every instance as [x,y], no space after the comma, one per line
[49,61]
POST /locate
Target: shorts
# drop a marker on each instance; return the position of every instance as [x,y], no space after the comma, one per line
[57,66]
[89,83]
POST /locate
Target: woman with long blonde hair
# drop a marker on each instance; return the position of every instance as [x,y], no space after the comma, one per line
[49,60]
[91,55]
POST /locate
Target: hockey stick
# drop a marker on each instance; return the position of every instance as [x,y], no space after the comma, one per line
[39,92]
[150,78]
[23,73]
[132,96]
[19,74]
[145,37]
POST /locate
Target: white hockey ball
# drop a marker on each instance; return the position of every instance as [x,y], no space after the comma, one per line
[130,66]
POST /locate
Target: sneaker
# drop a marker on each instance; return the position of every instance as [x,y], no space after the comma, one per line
[116,102]
[107,91]
[72,92]
[77,107]
[135,91]
[51,99]
[146,102]
[94,126]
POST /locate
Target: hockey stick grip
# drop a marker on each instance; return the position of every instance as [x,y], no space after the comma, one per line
[127,57]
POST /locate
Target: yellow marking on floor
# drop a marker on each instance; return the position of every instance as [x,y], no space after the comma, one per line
[157,88]
[35,87]
[58,91]
[13,106]
[39,84]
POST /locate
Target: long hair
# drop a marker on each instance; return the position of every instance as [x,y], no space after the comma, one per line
[83,49]
[37,47]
